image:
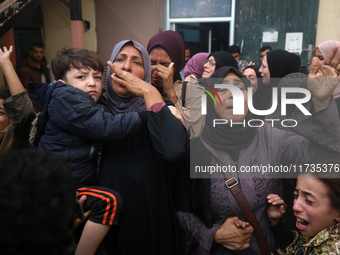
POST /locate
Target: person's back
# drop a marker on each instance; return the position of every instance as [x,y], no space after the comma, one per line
[38,206]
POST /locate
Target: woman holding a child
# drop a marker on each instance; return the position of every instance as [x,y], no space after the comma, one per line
[136,166]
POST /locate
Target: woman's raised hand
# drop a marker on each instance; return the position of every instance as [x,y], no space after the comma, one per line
[4,55]
[327,79]
[14,84]
[166,74]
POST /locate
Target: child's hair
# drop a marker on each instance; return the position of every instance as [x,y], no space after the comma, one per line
[334,191]
[77,58]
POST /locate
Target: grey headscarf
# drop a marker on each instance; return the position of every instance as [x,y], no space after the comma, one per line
[134,103]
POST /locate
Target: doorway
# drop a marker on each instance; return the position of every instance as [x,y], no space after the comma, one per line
[204,37]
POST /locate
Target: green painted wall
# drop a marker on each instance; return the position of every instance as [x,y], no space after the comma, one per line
[252,18]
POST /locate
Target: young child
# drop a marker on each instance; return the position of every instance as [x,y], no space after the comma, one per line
[72,124]
[317,211]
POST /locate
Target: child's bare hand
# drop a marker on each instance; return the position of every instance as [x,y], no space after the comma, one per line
[5,54]
[241,224]
[276,209]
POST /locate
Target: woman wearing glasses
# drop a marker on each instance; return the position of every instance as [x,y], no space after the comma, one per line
[213,62]
[216,60]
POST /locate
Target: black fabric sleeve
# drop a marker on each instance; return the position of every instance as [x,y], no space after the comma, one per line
[169,136]
[79,115]
[283,235]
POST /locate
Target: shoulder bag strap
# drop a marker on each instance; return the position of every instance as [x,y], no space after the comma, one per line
[184,92]
[232,185]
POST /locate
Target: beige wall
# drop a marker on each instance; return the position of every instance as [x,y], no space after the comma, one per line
[117,20]
[328,21]
[89,14]
[57,26]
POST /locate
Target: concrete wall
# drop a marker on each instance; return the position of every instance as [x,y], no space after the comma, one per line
[117,20]
[328,21]
[57,26]
[112,21]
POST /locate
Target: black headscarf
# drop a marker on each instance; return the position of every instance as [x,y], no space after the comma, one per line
[223,58]
[225,137]
[281,63]
[263,91]
[256,68]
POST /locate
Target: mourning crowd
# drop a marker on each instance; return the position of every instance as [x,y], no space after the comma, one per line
[94,165]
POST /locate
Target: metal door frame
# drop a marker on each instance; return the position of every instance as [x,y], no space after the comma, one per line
[170,23]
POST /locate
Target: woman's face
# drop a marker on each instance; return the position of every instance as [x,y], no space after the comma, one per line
[225,111]
[4,120]
[251,75]
[158,56]
[264,70]
[319,55]
[312,207]
[209,67]
[128,59]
